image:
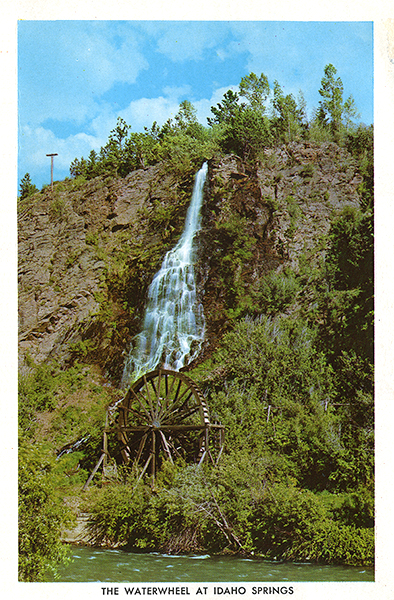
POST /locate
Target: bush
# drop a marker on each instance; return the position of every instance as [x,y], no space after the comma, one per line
[331,542]
[276,291]
[42,514]
[117,515]
[248,504]
[41,388]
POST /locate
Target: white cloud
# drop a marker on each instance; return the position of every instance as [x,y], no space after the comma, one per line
[143,112]
[36,142]
[177,92]
[102,124]
[101,63]
[40,142]
[66,67]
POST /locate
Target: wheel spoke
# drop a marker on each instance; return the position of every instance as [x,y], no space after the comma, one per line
[148,396]
[135,412]
[172,445]
[141,447]
[168,391]
[163,404]
[177,391]
[182,395]
[177,410]
[166,385]
[181,416]
[152,382]
[140,403]
[153,454]
[166,447]
[185,402]
[158,404]
[163,416]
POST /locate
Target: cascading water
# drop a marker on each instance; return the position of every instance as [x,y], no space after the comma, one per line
[174,324]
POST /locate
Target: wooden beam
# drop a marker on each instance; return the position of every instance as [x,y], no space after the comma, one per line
[52,155]
[94,472]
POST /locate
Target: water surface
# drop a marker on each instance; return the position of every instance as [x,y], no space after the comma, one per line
[96,564]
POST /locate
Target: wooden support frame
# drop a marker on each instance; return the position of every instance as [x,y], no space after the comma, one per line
[163,416]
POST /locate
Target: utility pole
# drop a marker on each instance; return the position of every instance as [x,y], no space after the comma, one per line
[52,155]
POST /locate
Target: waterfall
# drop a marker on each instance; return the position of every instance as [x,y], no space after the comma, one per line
[174,324]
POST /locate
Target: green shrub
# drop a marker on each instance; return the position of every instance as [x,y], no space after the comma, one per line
[276,291]
[36,392]
[58,208]
[42,514]
[26,188]
[307,171]
[331,542]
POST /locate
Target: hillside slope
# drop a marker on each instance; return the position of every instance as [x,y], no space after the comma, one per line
[88,252]
[284,267]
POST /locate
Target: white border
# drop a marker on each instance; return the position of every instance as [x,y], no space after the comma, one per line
[333,10]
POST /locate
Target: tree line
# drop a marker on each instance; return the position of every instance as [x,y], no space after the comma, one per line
[243,122]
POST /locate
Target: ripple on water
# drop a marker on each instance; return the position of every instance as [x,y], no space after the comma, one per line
[117,565]
[247,559]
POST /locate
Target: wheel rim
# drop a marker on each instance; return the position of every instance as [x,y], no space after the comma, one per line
[163,416]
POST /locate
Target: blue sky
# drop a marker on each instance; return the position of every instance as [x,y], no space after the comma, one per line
[76,77]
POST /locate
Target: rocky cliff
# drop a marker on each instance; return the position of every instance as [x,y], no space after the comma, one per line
[88,250]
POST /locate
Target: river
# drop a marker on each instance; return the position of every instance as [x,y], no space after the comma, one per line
[96,564]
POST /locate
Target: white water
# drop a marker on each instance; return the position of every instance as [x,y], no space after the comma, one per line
[174,324]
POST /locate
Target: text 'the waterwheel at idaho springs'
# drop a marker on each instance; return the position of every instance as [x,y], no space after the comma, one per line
[164,416]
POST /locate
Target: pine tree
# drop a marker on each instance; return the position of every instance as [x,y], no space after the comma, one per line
[27,188]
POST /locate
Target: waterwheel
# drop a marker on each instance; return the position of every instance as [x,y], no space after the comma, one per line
[164,416]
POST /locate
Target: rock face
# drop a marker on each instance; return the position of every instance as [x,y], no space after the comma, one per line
[65,245]
[59,277]
[308,185]
[267,216]
[77,246]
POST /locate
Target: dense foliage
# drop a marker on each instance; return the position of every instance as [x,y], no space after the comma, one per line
[183,143]
[293,382]
[50,470]
[244,506]
[244,122]
[42,513]
[292,378]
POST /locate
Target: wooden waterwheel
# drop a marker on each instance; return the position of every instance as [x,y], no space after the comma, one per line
[164,416]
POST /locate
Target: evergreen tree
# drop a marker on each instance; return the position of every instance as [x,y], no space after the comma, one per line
[118,135]
[225,111]
[78,167]
[244,127]
[248,133]
[27,188]
[350,111]
[331,91]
